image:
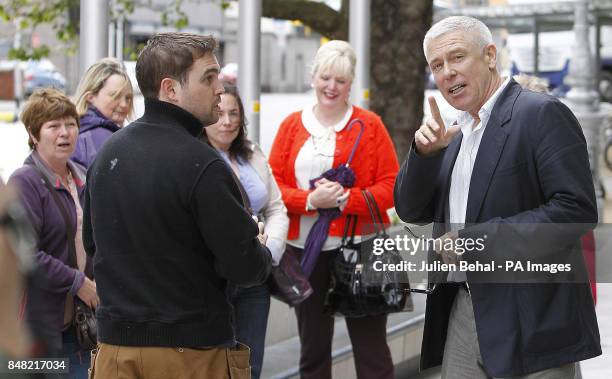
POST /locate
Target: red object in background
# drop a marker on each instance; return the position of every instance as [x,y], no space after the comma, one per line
[588,250]
[35,39]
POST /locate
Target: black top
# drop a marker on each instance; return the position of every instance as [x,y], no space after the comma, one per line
[165,220]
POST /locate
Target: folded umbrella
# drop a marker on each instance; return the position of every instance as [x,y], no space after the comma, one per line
[344,175]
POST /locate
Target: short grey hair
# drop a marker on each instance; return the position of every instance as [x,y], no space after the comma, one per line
[480,33]
[336,57]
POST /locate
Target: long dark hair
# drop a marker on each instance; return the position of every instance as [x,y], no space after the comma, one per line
[241,147]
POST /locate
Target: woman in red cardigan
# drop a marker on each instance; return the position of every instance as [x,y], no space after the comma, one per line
[309,143]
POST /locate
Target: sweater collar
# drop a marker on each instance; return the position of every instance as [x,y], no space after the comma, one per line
[78,171]
[157,111]
[93,118]
[316,129]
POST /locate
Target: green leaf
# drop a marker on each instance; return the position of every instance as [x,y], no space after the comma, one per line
[40,52]
[19,54]
[181,22]
[24,54]
[3,13]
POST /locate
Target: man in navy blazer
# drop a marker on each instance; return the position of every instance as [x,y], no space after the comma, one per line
[513,158]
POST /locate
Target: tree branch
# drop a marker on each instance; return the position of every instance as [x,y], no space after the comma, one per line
[319,16]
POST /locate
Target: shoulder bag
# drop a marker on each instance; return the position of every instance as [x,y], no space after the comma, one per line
[287,281]
[356,288]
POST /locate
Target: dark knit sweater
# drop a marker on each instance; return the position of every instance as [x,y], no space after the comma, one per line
[165,220]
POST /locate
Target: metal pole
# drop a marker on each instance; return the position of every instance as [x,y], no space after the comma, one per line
[583,98]
[359,37]
[536,47]
[249,62]
[93,44]
[18,77]
[112,39]
[597,51]
[120,37]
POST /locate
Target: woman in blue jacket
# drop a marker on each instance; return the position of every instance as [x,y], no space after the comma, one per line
[104,99]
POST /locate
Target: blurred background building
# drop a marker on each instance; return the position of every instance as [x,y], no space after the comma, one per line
[287,45]
[522,27]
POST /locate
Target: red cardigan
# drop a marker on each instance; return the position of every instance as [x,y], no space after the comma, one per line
[375,165]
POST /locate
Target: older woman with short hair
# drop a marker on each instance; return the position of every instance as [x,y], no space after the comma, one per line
[51,188]
[309,143]
[104,99]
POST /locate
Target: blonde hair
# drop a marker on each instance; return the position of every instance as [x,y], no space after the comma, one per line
[337,57]
[94,79]
[531,82]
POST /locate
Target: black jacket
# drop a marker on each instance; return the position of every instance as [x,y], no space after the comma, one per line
[165,220]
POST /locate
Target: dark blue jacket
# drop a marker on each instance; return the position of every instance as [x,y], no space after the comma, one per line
[95,130]
[532,169]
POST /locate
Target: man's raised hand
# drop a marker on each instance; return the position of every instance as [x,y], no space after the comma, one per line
[433,136]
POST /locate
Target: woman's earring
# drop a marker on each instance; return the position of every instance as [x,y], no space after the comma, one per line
[311,85]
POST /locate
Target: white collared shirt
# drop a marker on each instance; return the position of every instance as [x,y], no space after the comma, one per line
[470,143]
[464,165]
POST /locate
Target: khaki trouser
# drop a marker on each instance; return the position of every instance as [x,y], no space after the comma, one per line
[462,358]
[127,362]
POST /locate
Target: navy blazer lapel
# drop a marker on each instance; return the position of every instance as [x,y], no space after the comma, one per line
[490,150]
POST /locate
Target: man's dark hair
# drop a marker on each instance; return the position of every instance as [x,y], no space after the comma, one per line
[169,55]
[241,146]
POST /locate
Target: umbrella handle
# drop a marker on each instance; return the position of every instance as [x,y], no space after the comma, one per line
[348,129]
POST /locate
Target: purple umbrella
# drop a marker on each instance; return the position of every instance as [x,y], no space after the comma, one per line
[344,175]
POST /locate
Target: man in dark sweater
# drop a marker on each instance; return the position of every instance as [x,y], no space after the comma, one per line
[165,220]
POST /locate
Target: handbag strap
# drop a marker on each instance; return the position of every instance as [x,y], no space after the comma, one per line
[374,213]
[351,220]
[70,233]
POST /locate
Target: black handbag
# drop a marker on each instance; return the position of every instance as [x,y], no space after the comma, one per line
[356,288]
[85,325]
[84,321]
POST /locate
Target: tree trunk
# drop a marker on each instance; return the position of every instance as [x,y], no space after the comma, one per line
[398,66]
[319,16]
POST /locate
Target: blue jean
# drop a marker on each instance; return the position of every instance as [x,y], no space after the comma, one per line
[80,359]
[251,308]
